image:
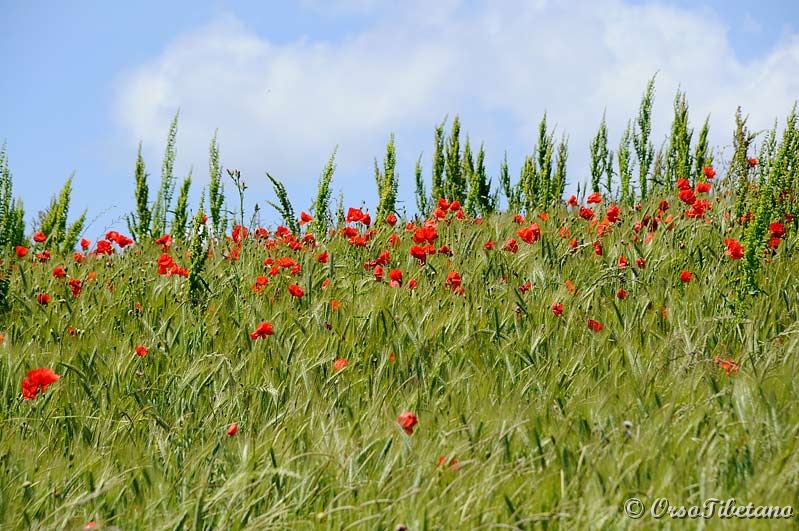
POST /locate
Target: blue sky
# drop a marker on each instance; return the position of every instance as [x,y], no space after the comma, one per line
[285,82]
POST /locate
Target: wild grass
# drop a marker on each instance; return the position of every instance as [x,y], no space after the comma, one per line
[552,425]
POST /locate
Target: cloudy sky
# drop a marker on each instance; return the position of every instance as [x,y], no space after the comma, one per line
[286,82]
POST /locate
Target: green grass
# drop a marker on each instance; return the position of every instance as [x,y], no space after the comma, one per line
[532,405]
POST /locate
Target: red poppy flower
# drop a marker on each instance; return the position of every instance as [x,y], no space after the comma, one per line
[453,281]
[557,308]
[686,276]
[511,245]
[412,283]
[325,283]
[702,188]
[524,288]
[104,247]
[59,272]
[165,263]
[777,229]
[37,380]
[708,172]
[622,262]
[239,234]
[305,218]
[354,214]
[683,184]
[572,201]
[391,219]
[570,287]
[164,241]
[687,196]
[613,213]
[734,249]
[419,253]
[729,366]
[408,421]
[621,294]
[142,351]
[640,263]
[598,248]
[594,198]
[395,275]
[21,251]
[339,364]
[753,162]
[518,218]
[75,285]
[530,234]
[594,326]
[262,330]
[39,237]
[489,245]
[296,291]
[378,273]
[43,299]
[586,213]
[543,216]
[85,244]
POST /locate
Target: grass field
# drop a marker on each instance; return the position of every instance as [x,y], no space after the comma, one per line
[448,371]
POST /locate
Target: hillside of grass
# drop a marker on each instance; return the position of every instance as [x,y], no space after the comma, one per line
[527,368]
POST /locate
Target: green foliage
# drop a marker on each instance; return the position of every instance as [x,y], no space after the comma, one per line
[387,182]
[284,207]
[454,183]
[73,233]
[546,148]
[702,156]
[163,201]
[678,159]
[738,169]
[644,150]
[439,163]
[198,287]
[241,187]
[54,221]
[216,190]
[479,198]
[787,180]
[552,425]
[139,223]
[181,219]
[528,185]
[625,165]
[421,194]
[12,213]
[601,157]
[559,183]
[322,218]
[511,192]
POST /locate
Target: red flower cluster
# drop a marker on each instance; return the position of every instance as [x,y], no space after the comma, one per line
[262,330]
[408,421]
[37,380]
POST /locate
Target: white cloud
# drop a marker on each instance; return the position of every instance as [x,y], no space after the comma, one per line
[500,65]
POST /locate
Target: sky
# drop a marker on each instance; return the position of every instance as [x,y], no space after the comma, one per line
[284,83]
